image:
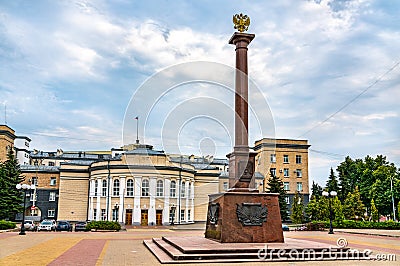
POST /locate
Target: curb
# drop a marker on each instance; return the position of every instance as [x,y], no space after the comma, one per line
[369,234]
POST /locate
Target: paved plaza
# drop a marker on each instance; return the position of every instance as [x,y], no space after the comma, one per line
[126,248]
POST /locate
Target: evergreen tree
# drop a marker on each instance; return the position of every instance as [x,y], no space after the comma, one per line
[374,212]
[275,185]
[297,215]
[353,206]
[10,197]
[316,190]
[332,183]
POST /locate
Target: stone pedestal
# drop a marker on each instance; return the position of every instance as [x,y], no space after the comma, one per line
[244,216]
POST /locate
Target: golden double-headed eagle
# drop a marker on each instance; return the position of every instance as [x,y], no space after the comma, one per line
[241,22]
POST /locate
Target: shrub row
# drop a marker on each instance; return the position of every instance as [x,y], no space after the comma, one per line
[6,225]
[350,224]
[103,225]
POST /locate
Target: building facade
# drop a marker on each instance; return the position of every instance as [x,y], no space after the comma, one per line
[7,137]
[42,202]
[287,159]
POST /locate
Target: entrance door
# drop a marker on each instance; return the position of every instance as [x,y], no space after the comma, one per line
[145,218]
[128,217]
[159,217]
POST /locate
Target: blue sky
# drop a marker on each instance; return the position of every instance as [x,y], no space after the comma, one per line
[68,70]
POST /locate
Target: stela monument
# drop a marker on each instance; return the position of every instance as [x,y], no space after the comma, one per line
[243,214]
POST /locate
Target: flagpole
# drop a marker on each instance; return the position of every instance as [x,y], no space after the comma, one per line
[137,130]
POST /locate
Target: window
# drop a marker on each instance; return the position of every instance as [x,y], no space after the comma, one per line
[96,184]
[189,189]
[273,158]
[225,186]
[286,186]
[103,214]
[51,213]
[298,173]
[52,196]
[51,163]
[34,181]
[160,188]
[94,214]
[285,158]
[286,172]
[299,186]
[129,188]
[188,215]
[53,181]
[104,188]
[171,214]
[183,190]
[287,199]
[272,171]
[182,215]
[172,190]
[298,158]
[145,188]
[116,187]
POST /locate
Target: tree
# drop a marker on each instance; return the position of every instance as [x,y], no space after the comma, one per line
[275,185]
[318,209]
[332,183]
[353,206]
[297,215]
[10,197]
[374,212]
[337,209]
[316,190]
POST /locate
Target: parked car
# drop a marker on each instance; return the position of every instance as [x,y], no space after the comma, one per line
[46,226]
[63,226]
[80,226]
[285,227]
[30,225]
[52,221]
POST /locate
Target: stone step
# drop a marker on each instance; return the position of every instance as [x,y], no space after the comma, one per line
[167,253]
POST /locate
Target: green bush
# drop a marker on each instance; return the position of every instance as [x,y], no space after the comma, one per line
[103,225]
[6,225]
[350,224]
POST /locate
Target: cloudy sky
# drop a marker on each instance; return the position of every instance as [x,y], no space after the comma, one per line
[328,69]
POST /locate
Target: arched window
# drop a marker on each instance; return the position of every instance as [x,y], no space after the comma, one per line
[104,188]
[116,187]
[145,188]
[189,189]
[172,190]
[183,190]
[160,188]
[129,188]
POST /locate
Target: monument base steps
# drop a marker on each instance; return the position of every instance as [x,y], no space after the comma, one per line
[170,250]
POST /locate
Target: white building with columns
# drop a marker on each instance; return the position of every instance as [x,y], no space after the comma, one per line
[141,186]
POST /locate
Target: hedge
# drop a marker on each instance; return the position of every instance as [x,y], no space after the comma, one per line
[350,224]
[103,225]
[6,225]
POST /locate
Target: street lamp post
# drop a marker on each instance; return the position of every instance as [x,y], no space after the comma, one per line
[391,190]
[116,208]
[330,195]
[24,187]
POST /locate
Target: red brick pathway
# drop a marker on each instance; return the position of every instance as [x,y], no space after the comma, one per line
[86,252]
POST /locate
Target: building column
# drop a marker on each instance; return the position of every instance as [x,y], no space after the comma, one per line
[192,202]
[136,201]
[152,207]
[167,186]
[187,199]
[121,210]
[91,197]
[98,212]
